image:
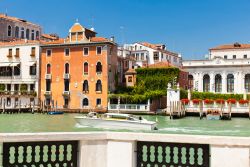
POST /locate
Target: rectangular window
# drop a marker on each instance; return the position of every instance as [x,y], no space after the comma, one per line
[8,87]
[33,51]
[85,51]
[10,52]
[48,85]
[234,56]
[16,87]
[142,56]
[17,70]
[225,56]
[32,87]
[17,52]
[137,56]
[130,79]
[98,102]
[98,50]
[66,85]
[66,102]
[66,52]
[245,56]
[156,56]
[33,70]
[48,52]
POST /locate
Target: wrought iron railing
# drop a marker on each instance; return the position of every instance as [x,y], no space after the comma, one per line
[35,154]
[160,154]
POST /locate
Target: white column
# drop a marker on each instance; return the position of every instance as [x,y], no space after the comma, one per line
[200,89]
[224,83]
[212,85]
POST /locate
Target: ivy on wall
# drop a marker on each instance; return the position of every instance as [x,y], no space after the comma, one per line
[151,83]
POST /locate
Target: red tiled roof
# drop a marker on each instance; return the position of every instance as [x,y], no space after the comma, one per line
[19,42]
[48,36]
[231,46]
[156,47]
[160,65]
[130,71]
[4,16]
[99,39]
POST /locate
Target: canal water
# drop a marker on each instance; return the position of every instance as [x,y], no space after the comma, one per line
[10,123]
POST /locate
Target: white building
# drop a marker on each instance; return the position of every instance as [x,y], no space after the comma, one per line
[227,70]
[146,54]
[19,73]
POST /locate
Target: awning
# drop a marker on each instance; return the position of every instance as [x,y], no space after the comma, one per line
[4,64]
[14,64]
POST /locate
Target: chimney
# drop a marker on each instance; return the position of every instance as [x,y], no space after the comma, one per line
[112,39]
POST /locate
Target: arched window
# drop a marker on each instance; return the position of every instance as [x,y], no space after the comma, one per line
[22,33]
[98,85]
[66,68]
[230,83]
[86,68]
[17,32]
[206,83]
[247,82]
[32,35]
[48,69]
[37,35]
[27,34]
[9,31]
[85,86]
[218,82]
[190,82]
[99,68]
[85,102]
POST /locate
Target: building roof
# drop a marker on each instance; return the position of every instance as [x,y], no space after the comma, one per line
[99,39]
[157,47]
[19,42]
[130,71]
[160,65]
[231,46]
[49,36]
[15,19]
[77,27]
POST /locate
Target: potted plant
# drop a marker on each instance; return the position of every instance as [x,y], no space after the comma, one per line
[220,101]
[208,101]
[185,101]
[231,101]
[196,101]
[243,102]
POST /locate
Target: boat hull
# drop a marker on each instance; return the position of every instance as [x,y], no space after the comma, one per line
[116,124]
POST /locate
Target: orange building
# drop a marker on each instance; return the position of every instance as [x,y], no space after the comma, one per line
[78,72]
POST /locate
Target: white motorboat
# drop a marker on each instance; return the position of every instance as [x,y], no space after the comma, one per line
[116,121]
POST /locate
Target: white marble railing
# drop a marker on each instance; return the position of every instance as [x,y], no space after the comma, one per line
[113,149]
[129,107]
[236,108]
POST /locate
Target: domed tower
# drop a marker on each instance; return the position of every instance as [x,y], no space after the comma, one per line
[78,33]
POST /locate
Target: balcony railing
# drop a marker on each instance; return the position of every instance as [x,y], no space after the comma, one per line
[19,93]
[47,76]
[47,93]
[66,93]
[77,149]
[66,76]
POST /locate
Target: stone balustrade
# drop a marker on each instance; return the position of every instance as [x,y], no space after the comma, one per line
[112,149]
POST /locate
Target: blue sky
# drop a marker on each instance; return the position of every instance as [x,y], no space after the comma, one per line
[189,27]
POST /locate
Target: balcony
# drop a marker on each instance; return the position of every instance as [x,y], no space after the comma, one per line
[66,76]
[32,55]
[17,56]
[85,91]
[47,76]
[9,56]
[66,93]
[47,93]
